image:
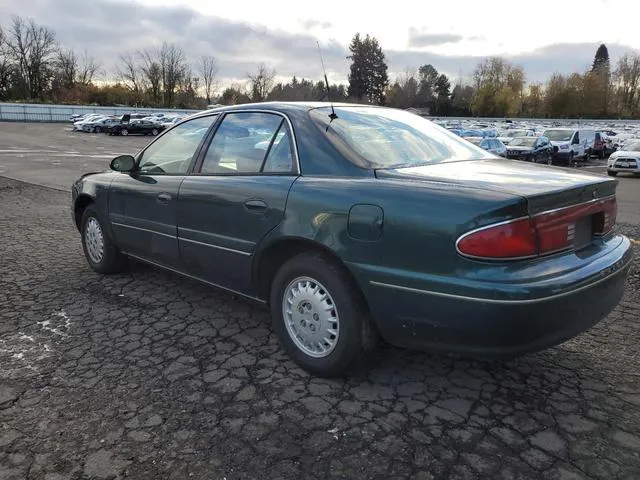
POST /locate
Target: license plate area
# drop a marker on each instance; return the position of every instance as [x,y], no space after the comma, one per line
[583,232]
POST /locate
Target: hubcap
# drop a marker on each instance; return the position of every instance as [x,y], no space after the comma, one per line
[94,240]
[311,317]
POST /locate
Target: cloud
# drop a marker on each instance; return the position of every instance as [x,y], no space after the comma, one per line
[311,23]
[109,28]
[418,39]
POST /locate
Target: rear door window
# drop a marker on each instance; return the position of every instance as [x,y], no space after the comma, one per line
[241,143]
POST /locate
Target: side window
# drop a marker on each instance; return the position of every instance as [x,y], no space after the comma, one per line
[576,139]
[240,143]
[172,153]
[280,157]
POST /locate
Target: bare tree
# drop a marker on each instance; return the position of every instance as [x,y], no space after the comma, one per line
[152,73]
[627,77]
[173,67]
[67,67]
[88,68]
[261,83]
[32,47]
[208,67]
[5,66]
[129,73]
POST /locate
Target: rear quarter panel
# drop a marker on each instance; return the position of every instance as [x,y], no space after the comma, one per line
[422,220]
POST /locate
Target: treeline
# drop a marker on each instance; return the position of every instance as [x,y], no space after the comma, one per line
[35,67]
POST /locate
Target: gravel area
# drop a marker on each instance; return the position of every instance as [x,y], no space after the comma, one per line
[146,375]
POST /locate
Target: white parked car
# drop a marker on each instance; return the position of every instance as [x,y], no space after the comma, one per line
[169,122]
[627,160]
[507,136]
[80,125]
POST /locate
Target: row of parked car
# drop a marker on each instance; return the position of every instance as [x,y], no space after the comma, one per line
[566,145]
[127,124]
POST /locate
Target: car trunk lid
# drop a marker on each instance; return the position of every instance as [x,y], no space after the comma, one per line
[567,210]
[543,187]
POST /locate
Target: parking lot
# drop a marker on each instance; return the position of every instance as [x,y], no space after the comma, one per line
[146,375]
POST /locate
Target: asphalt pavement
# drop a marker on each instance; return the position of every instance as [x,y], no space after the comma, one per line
[146,375]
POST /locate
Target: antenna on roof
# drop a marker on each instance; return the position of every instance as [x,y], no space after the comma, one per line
[333,115]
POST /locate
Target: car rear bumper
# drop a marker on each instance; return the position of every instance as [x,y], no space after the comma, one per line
[501,318]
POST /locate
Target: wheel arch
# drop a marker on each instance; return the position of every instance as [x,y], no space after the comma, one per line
[81,203]
[271,257]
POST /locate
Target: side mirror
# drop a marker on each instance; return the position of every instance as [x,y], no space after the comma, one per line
[123,163]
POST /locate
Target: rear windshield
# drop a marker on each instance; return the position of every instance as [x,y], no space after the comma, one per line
[388,138]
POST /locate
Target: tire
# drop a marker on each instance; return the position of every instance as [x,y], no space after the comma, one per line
[549,159]
[110,260]
[154,132]
[611,173]
[124,132]
[97,130]
[571,161]
[354,331]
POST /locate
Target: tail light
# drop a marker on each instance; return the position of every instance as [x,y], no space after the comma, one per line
[542,234]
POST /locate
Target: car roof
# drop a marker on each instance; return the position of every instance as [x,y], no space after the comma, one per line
[280,107]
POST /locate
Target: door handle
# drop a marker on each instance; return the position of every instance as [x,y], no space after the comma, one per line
[256,206]
[163,198]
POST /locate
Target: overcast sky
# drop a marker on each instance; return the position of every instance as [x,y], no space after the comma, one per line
[542,36]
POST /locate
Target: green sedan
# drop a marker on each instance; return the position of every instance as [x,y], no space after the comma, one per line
[353,222]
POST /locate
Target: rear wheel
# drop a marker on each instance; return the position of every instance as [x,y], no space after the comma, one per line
[549,159]
[154,132]
[97,130]
[124,132]
[319,314]
[611,173]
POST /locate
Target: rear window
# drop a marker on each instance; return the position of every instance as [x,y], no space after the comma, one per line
[388,138]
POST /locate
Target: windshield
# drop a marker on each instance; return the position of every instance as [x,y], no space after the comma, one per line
[376,137]
[523,142]
[558,135]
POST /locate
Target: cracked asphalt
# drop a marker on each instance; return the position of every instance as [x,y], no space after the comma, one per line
[146,375]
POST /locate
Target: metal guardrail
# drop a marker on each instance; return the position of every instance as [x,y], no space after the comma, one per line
[26,112]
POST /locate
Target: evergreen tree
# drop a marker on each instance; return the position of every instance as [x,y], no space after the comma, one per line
[368,78]
[601,60]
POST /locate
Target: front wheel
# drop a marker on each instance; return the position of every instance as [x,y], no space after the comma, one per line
[101,253]
[124,132]
[611,173]
[154,132]
[319,314]
[97,130]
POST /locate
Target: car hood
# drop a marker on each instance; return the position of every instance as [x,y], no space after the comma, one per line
[544,186]
[625,153]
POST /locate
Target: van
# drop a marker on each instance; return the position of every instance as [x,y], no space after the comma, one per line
[571,144]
